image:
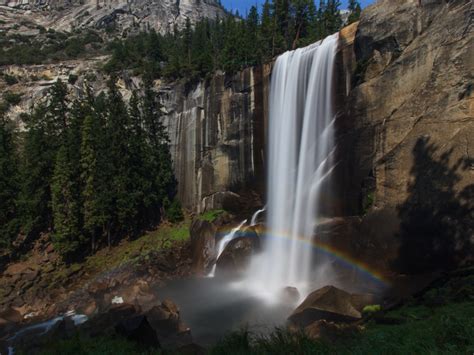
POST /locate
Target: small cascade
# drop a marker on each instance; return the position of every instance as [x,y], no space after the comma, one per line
[253,222]
[223,243]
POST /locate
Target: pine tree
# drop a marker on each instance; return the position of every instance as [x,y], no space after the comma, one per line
[303,15]
[95,173]
[8,186]
[267,31]
[332,17]
[281,36]
[67,237]
[161,167]
[118,128]
[355,9]
[252,43]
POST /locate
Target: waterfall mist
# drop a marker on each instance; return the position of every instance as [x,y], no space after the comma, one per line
[301,157]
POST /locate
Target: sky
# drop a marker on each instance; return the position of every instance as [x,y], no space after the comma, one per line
[243,5]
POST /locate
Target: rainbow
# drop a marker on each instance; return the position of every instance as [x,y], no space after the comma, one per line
[340,256]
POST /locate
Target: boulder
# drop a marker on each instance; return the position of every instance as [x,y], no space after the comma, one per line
[165,320]
[105,322]
[139,330]
[238,252]
[225,200]
[331,304]
[331,331]
[11,315]
[290,295]
[203,245]
[171,331]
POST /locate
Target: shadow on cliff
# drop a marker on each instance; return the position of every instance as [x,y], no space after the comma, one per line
[436,230]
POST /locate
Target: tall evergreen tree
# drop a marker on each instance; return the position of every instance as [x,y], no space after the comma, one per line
[355,9]
[118,128]
[95,173]
[8,186]
[161,167]
[267,31]
[67,236]
[45,127]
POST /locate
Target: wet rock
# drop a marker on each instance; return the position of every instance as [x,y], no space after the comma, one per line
[11,315]
[322,329]
[238,252]
[89,308]
[104,322]
[331,304]
[139,330]
[290,295]
[165,321]
[203,245]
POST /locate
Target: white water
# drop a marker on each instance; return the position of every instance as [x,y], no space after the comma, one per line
[253,221]
[223,243]
[301,149]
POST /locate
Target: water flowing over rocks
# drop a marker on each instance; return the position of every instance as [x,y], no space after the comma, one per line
[239,251]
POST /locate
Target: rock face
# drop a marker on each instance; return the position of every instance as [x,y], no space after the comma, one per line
[203,245]
[217,136]
[405,130]
[126,16]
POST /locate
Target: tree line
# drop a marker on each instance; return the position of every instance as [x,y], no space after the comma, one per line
[89,171]
[230,43]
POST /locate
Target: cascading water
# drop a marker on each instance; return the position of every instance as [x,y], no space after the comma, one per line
[253,221]
[301,149]
[223,243]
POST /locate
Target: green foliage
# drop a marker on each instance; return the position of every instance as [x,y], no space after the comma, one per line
[92,171]
[72,79]
[228,44]
[12,98]
[355,9]
[368,202]
[371,309]
[211,215]
[173,210]
[449,329]
[8,185]
[10,79]
[49,46]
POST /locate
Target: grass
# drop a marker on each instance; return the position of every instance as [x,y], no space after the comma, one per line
[211,215]
[133,251]
[446,330]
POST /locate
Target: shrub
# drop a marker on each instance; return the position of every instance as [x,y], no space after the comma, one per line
[11,98]
[10,79]
[174,212]
[72,79]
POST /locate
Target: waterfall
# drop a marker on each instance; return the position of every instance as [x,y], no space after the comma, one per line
[300,151]
[253,221]
[223,243]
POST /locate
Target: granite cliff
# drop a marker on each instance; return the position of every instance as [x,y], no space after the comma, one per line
[126,16]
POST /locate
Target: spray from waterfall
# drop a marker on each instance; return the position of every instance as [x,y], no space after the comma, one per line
[301,158]
[223,243]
